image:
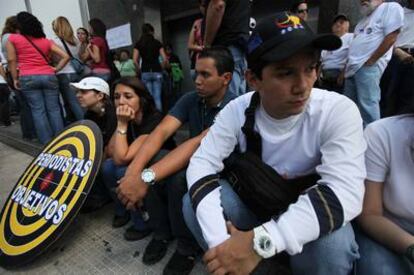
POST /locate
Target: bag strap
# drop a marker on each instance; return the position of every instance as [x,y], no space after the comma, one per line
[43,55]
[66,47]
[253,139]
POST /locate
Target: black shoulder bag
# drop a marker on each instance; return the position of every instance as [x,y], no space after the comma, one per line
[259,186]
[77,65]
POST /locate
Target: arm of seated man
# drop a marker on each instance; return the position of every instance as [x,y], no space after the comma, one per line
[177,159]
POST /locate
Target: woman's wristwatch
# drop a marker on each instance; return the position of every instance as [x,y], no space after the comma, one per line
[121,132]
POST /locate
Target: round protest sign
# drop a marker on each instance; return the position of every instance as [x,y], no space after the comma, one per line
[49,193]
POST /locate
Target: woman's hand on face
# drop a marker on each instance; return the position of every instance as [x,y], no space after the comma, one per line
[124,114]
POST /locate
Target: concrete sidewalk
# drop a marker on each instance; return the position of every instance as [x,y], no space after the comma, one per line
[90,245]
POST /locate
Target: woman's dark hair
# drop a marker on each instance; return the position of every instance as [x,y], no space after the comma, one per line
[147,35]
[98,27]
[28,24]
[10,26]
[146,102]
[222,57]
[84,30]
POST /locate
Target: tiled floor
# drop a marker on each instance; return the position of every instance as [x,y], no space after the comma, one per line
[89,246]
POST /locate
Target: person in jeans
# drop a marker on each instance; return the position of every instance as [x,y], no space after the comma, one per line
[369,53]
[137,117]
[227,24]
[97,50]
[303,131]
[93,94]
[214,69]
[4,97]
[333,62]
[37,79]
[26,119]
[149,50]
[386,225]
[65,37]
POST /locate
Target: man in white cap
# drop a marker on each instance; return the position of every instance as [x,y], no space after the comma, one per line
[93,94]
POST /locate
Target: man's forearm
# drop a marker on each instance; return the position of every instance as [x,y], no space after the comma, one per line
[386,44]
[215,13]
[147,151]
[177,159]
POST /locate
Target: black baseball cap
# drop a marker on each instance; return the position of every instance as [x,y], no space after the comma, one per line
[340,16]
[281,35]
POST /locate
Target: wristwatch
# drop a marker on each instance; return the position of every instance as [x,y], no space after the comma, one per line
[148,176]
[409,253]
[121,132]
[262,243]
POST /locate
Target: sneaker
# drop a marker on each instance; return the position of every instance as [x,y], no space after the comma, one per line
[179,265]
[155,251]
[119,221]
[131,234]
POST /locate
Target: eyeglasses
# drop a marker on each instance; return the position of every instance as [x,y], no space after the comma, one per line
[303,11]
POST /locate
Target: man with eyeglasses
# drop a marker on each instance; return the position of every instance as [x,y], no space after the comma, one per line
[300,9]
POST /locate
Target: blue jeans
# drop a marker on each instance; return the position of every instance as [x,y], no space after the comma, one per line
[111,174]
[238,83]
[153,82]
[42,94]
[363,88]
[377,259]
[104,76]
[334,252]
[26,119]
[69,94]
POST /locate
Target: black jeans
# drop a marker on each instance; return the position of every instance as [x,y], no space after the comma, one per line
[4,104]
[397,83]
[164,205]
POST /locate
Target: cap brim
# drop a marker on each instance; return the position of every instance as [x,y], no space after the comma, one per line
[288,48]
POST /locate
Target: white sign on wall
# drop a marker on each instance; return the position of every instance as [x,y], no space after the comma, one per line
[119,36]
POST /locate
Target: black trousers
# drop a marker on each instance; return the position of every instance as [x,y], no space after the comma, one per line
[164,205]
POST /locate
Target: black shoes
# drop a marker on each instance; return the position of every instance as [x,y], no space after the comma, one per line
[155,251]
[119,221]
[131,234]
[179,264]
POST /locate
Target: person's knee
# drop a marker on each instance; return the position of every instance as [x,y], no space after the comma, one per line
[188,211]
[336,251]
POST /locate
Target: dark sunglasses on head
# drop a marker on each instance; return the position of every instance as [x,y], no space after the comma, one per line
[303,11]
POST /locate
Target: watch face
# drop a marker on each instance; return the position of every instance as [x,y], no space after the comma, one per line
[265,243]
[148,176]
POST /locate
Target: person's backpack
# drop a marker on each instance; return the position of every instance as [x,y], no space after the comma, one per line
[266,193]
[176,72]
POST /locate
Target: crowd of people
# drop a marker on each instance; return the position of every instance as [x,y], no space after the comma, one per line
[305,174]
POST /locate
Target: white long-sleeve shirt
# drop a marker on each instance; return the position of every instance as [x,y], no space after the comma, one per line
[326,138]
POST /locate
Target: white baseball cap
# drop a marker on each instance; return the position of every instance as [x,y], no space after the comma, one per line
[92,83]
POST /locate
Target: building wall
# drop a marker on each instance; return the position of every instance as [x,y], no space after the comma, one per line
[116,13]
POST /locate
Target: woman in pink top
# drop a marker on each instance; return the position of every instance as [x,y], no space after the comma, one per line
[37,80]
[98,50]
[195,40]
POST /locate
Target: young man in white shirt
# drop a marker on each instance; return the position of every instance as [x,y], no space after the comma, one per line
[369,54]
[303,131]
[333,62]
